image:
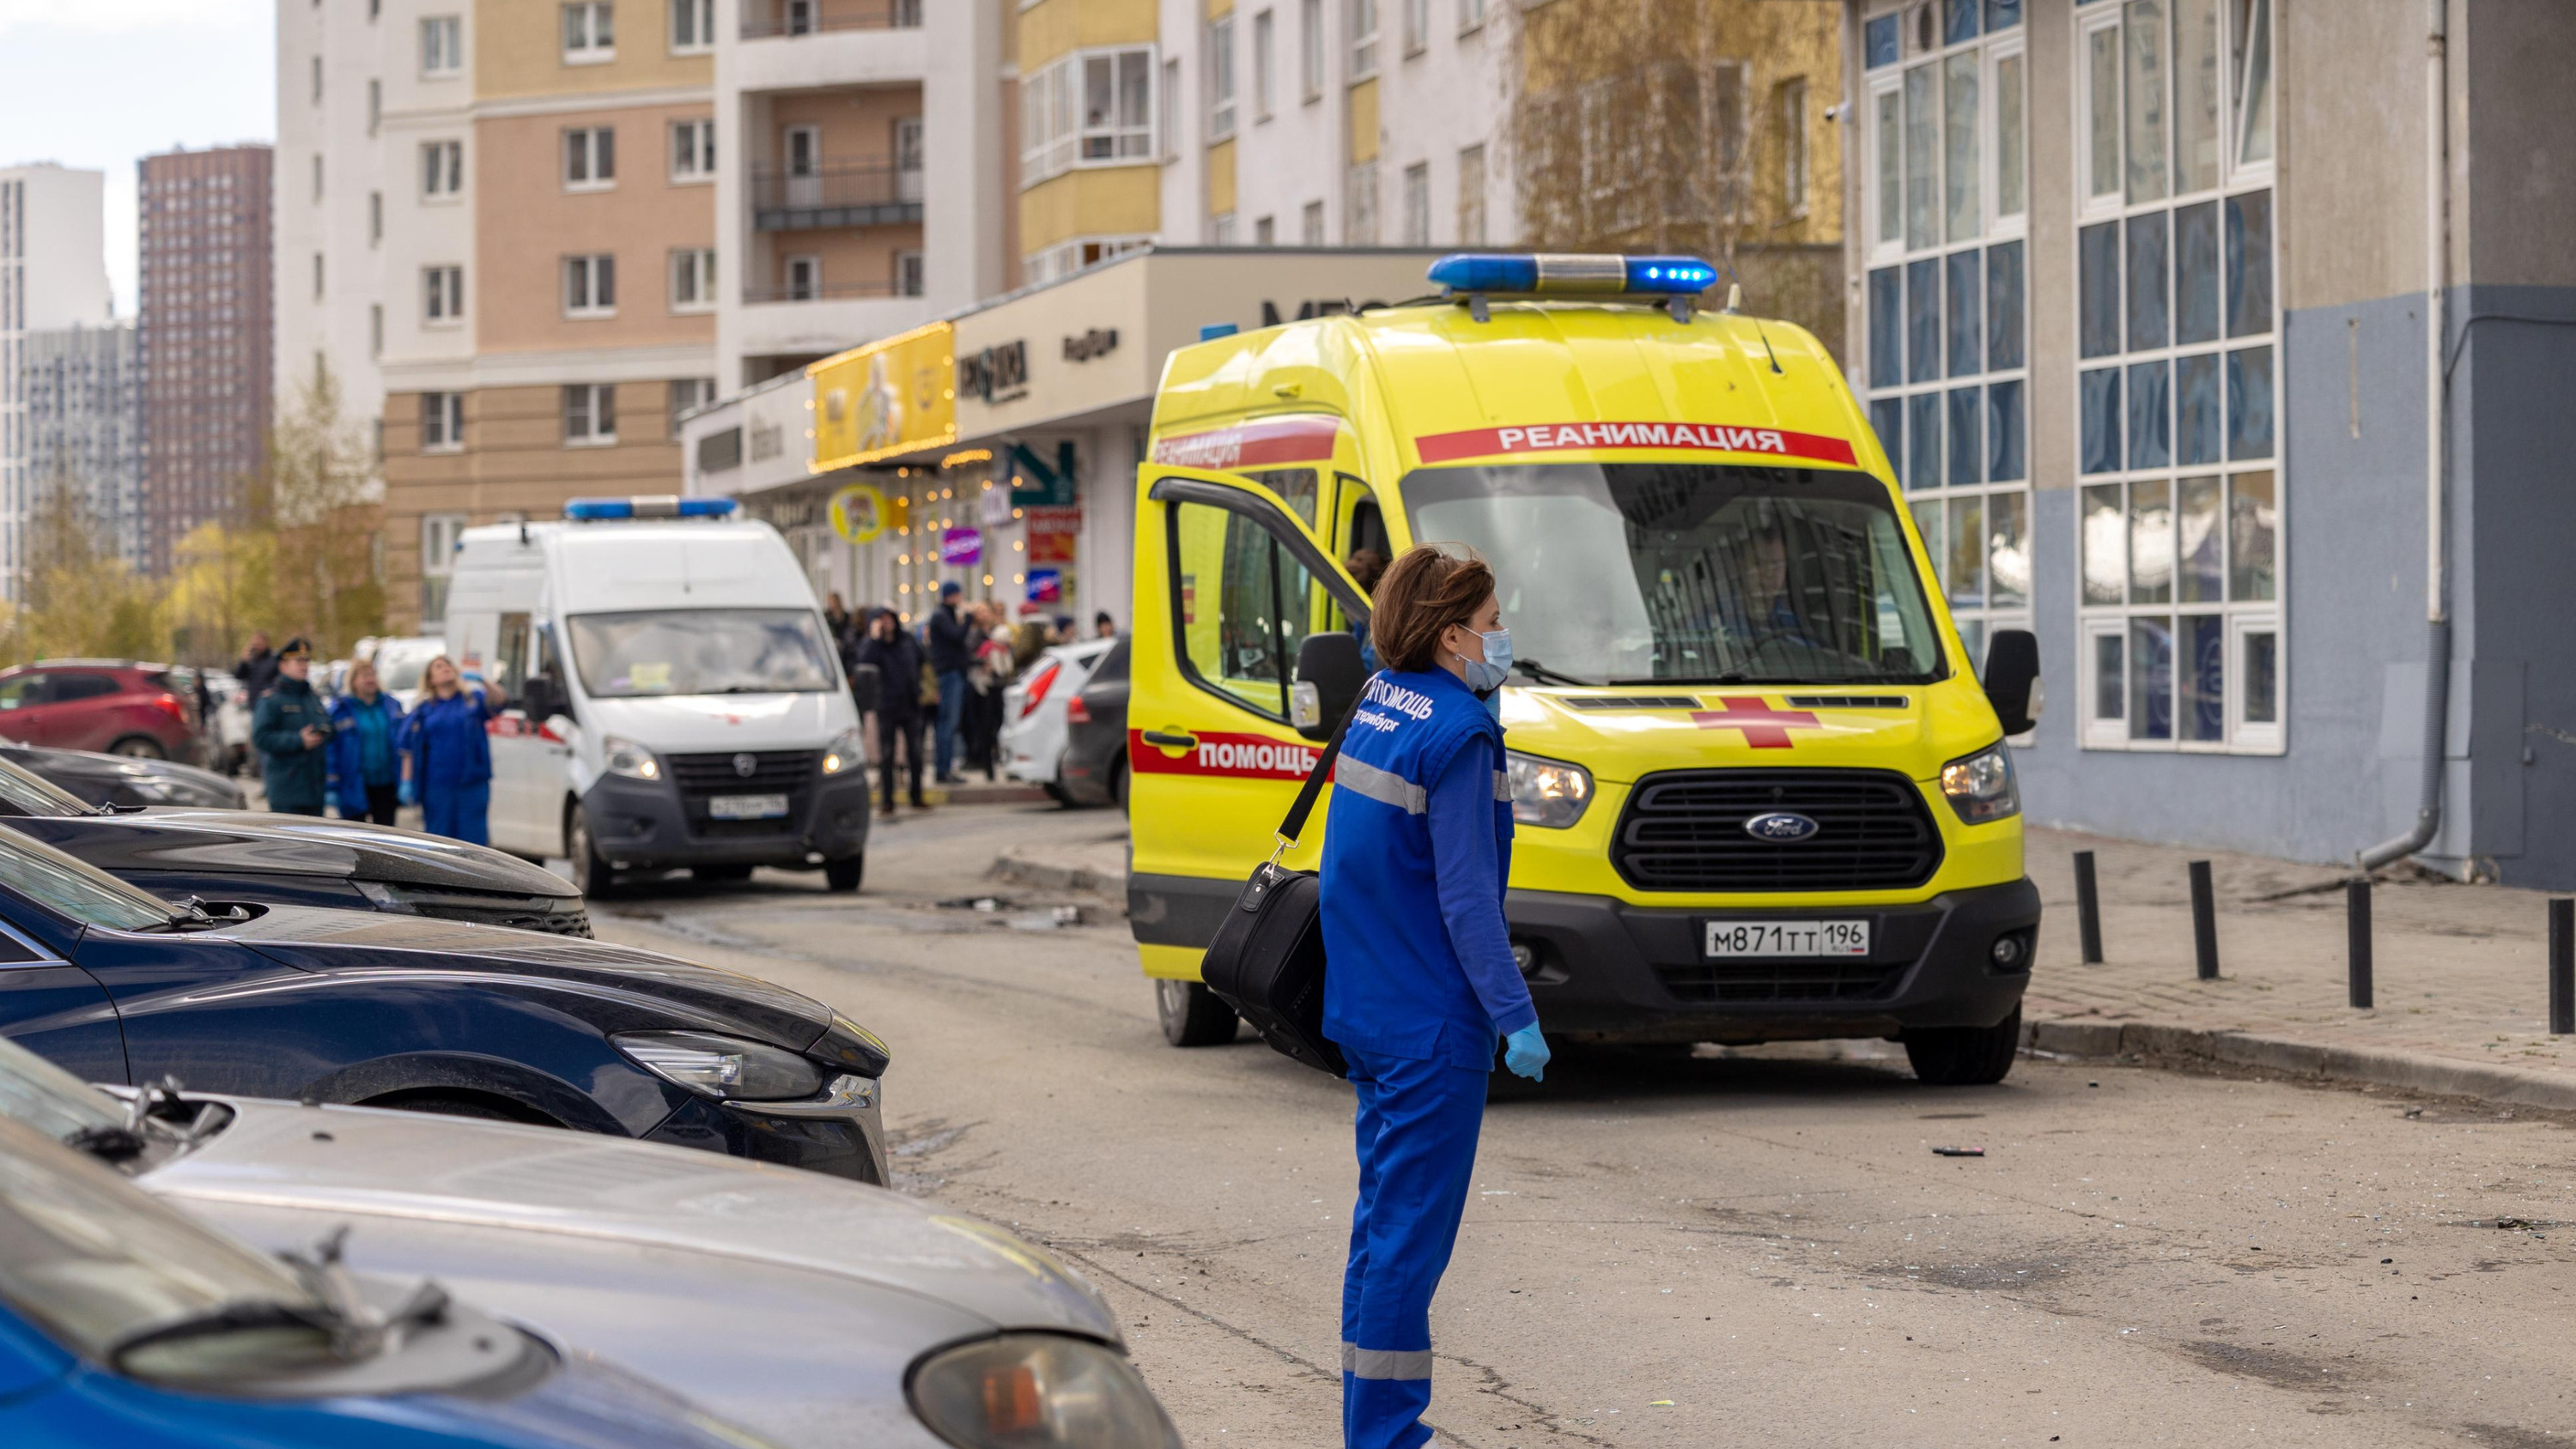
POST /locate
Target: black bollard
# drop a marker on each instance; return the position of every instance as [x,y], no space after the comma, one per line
[2088,908]
[2562,967]
[2356,903]
[2204,921]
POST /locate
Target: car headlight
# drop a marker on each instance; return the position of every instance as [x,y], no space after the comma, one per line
[1038,1391]
[1980,786]
[1548,793]
[625,757]
[722,1066]
[844,753]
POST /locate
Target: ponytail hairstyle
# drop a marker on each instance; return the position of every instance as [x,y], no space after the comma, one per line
[1422,593]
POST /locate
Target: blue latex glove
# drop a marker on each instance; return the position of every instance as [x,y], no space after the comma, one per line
[403,794]
[1525,1053]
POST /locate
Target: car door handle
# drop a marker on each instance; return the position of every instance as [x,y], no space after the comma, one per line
[1171,741]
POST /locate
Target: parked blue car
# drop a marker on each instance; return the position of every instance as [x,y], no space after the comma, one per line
[124,1322]
[434,1015]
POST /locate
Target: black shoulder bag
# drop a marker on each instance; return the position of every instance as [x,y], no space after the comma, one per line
[1267,961]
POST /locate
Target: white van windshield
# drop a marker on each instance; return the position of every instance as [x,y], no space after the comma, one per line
[702,651]
[1695,573]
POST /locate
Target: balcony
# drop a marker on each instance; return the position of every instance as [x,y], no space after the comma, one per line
[821,292]
[764,19]
[834,194]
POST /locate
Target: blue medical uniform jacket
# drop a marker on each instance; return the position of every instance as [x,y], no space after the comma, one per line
[350,775]
[446,740]
[1417,850]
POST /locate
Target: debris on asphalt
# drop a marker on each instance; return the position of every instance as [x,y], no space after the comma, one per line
[1958,1152]
[985,904]
[1068,915]
[2092,1084]
[1659,1403]
[2414,1111]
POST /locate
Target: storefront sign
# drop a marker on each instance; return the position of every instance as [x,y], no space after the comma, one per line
[1098,342]
[1264,444]
[886,398]
[1052,532]
[1045,586]
[859,513]
[961,548]
[996,374]
[993,507]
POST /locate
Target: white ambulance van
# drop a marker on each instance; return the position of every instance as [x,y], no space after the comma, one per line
[672,696]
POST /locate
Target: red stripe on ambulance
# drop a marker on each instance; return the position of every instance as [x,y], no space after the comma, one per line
[1252,445]
[1597,437]
[1248,757]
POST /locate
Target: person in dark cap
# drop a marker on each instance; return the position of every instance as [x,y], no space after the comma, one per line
[290,730]
[952,652]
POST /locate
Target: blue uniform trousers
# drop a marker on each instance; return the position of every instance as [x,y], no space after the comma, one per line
[1417,1123]
[952,717]
[459,812]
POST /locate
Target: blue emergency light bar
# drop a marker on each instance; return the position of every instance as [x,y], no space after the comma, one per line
[646,505]
[1572,273]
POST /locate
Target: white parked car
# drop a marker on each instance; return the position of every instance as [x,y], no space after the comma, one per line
[1033,722]
[399,663]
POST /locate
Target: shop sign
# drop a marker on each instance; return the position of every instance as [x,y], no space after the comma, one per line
[1045,586]
[1052,532]
[1098,342]
[859,513]
[996,374]
[993,507]
[889,397]
[961,548]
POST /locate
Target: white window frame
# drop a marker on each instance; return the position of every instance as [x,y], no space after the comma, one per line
[1312,219]
[581,400]
[2237,618]
[1417,26]
[442,424]
[812,266]
[587,279]
[1363,39]
[1220,78]
[693,152]
[442,47]
[692,27]
[1360,186]
[1221,229]
[442,161]
[1471,16]
[1417,204]
[589,32]
[1474,195]
[1311,48]
[1055,135]
[911,146]
[589,156]
[693,279]
[911,273]
[1265,59]
[687,394]
[442,295]
[438,536]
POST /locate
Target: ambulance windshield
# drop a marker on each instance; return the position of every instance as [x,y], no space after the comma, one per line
[702,651]
[1695,573]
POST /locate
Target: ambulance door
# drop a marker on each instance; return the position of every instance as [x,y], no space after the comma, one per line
[1229,585]
[517,749]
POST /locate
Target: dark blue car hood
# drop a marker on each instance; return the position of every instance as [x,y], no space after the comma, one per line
[230,841]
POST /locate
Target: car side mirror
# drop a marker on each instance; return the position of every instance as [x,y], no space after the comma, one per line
[867,686]
[541,698]
[2012,679]
[1329,676]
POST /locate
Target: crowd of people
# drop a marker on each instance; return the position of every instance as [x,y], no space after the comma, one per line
[362,752]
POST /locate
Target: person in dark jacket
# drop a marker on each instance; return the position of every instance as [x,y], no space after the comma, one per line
[366,749]
[1423,987]
[289,729]
[952,653]
[451,757]
[898,663]
[258,668]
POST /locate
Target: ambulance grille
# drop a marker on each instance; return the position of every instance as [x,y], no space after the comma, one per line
[1684,831]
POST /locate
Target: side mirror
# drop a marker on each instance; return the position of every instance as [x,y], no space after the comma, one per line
[2012,678]
[1329,676]
[867,686]
[541,698]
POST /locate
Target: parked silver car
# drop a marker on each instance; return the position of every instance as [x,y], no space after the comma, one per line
[819,1312]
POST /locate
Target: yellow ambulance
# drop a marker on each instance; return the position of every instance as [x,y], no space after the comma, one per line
[1760,791]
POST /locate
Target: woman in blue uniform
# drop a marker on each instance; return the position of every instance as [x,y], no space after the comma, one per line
[451,757]
[1417,846]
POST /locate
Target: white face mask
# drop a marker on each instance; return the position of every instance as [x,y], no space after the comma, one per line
[1487,674]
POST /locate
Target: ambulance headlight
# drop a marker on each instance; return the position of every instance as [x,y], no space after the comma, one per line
[1980,787]
[1547,793]
[1037,1391]
[844,753]
[625,757]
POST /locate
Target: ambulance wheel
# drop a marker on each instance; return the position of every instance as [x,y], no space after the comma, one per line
[597,879]
[1192,1015]
[1964,1056]
[843,875]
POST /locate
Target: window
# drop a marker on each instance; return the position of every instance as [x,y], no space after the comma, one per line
[1220,63]
[693,150]
[317,80]
[1471,197]
[688,394]
[1359,208]
[317,176]
[1092,108]
[1221,229]
[1167,138]
[908,159]
[375,105]
[2177,384]
[442,292]
[1066,258]
[693,26]
[1417,25]
[1244,605]
[442,170]
[693,279]
[439,534]
[1946,333]
[907,274]
[1310,226]
[1264,83]
[1363,39]
[589,36]
[590,286]
[317,275]
[804,278]
[442,45]
[1265,231]
[1791,108]
[1310,49]
[375,218]
[590,414]
[590,158]
[1417,204]
[799,16]
[442,425]
[1471,15]
[375,329]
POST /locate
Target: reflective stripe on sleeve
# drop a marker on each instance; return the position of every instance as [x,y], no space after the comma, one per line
[1502,785]
[1386,1363]
[1384,786]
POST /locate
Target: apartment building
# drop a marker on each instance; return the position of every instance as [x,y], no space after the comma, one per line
[84,423]
[205,326]
[53,275]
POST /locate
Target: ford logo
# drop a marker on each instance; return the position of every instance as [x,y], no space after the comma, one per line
[1782,826]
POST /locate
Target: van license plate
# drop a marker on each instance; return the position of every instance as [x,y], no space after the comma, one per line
[1784,938]
[747,807]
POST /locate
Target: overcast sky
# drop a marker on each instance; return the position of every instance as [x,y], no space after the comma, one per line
[101,83]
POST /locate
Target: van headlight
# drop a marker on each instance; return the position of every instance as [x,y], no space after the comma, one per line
[724,1067]
[844,753]
[1547,793]
[625,757]
[1980,786]
[1038,1391]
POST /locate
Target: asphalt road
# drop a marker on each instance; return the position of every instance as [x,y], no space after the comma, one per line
[1725,1249]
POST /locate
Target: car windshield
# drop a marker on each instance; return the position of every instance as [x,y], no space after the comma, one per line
[74,888]
[1691,572]
[52,1101]
[399,669]
[702,651]
[23,792]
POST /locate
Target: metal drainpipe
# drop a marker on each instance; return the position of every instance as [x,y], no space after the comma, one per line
[2437,634]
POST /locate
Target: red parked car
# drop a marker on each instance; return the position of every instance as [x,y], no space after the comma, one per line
[114,705]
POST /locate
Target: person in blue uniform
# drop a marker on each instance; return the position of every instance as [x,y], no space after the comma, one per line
[365,752]
[451,757]
[1422,985]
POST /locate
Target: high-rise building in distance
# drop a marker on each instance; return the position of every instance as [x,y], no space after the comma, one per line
[53,275]
[84,426]
[205,329]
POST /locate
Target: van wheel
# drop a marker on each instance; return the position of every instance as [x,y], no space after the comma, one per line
[843,875]
[596,879]
[1964,1056]
[1192,1015]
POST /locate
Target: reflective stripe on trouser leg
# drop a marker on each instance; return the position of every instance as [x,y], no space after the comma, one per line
[1416,1126]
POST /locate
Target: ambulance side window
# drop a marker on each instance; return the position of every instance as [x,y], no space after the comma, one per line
[1362,524]
[1243,603]
[1296,485]
[509,668]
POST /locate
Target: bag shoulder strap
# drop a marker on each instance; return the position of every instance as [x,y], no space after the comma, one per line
[1295,824]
